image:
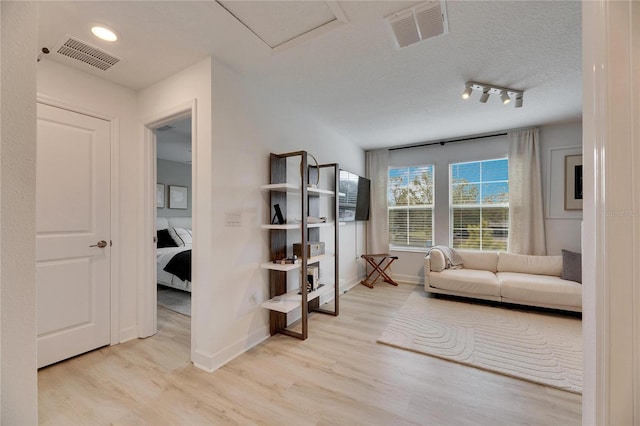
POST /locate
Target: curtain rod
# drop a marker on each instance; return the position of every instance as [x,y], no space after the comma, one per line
[442,142]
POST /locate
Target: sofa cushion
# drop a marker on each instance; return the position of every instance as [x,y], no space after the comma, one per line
[528,264]
[540,289]
[571,266]
[475,259]
[472,281]
[438,262]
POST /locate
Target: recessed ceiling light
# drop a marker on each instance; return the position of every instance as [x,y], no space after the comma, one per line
[104,33]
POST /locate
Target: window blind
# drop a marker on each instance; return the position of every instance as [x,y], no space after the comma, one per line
[410,204]
[479,200]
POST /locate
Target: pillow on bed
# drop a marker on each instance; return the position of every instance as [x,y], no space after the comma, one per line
[181,236]
[165,239]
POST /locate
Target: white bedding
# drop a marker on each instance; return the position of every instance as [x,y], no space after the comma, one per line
[163,256]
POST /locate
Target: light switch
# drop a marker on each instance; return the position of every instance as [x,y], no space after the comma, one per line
[232,219]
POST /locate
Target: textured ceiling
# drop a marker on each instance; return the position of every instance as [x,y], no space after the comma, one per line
[353,80]
[277,22]
[174,143]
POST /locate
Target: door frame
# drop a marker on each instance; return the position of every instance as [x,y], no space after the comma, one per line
[114,206]
[147,289]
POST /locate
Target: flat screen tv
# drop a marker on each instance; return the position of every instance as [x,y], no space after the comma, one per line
[353,200]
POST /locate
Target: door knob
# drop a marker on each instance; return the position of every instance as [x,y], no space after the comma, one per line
[101,244]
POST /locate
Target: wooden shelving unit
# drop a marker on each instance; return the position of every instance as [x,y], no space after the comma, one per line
[284,299]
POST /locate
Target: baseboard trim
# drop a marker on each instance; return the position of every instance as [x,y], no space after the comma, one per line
[211,362]
[128,333]
[407,279]
[345,286]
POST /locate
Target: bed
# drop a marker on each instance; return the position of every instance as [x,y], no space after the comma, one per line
[173,253]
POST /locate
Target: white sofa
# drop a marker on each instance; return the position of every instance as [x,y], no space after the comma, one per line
[504,277]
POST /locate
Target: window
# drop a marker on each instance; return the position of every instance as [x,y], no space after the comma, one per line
[410,203]
[479,197]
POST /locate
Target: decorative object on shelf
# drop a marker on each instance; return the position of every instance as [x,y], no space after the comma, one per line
[278,215]
[312,219]
[159,195]
[287,261]
[314,248]
[317,182]
[178,197]
[573,182]
[313,277]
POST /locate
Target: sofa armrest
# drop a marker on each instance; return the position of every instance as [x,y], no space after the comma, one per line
[427,271]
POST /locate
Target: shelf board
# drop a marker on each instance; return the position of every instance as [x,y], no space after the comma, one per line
[318,191]
[289,187]
[285,226]
[291,300]
[296,225]
[292,266]
[282,187]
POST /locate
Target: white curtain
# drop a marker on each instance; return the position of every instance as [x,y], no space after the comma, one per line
[377,170]
[526,213]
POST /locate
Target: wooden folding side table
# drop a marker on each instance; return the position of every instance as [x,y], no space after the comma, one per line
[380,264]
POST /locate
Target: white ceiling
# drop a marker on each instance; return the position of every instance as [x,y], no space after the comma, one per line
[352,79]
[173,141]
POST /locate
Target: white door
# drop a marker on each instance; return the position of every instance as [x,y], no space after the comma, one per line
[72,233]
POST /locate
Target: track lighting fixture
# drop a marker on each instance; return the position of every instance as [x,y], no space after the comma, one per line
[467,91]
[504,97]
[489,89]
[519,101]
[485,96]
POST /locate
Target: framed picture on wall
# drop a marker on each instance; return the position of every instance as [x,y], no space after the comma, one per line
[178,197]
[573,182]
[159,195]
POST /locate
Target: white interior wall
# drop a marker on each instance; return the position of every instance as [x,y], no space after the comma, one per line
[81,90]
[174,173]
[247,126]
[562,227]
[191,86]
[18,377]
[562,230]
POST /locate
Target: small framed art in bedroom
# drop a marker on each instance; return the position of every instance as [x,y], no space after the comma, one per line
[159,195]
[178,197]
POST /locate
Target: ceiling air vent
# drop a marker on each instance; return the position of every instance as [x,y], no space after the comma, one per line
[81,51]
[421,22]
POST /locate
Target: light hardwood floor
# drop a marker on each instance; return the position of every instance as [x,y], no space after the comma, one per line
[340,375]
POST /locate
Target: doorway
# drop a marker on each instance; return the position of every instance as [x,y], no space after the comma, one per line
[174,201]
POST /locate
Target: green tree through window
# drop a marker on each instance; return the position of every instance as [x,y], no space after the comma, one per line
[410,204]
[479,198]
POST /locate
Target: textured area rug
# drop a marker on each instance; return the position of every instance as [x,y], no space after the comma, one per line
[542,348]
[175,300]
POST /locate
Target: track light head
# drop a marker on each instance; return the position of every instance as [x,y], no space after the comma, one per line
[485,95]
[504,97]
[518,101]
[467,91]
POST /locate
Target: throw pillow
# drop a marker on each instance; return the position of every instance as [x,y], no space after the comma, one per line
[164,239]
[572,266]
[181,236]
